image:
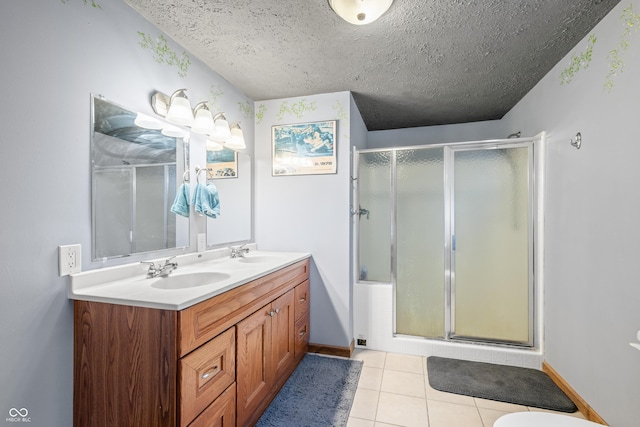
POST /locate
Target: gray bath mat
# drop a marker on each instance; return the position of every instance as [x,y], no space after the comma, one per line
[522,386]
[319,393]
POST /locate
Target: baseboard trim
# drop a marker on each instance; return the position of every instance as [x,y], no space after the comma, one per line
[582,405]
[332,350]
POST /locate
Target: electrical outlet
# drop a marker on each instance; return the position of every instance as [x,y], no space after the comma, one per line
[202,242]
[69,259]
[362,341]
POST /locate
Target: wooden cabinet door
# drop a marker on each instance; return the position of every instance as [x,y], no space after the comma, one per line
[221,413]
[254,376]
[283,338]
[204,374]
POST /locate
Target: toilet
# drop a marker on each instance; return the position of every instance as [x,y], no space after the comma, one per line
[541,419]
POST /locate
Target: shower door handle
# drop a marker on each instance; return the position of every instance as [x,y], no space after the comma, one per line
[453,242]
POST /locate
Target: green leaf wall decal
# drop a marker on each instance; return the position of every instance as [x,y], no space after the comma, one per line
[631,22]
[86,2]
[246,108]
[296,109]
[578,62]
[260,113]
[163,54]
[215,92]
[342,114]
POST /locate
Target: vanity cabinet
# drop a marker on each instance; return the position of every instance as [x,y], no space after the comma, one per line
[204,374]
[219,362]
[265,356]
[301,316]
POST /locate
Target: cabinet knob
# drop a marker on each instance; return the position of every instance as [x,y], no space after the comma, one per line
[303,332]
[209,373]
[277,310]
[303,299]
[272,313]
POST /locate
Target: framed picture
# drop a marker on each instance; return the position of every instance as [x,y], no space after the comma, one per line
[304,149]
[222,164]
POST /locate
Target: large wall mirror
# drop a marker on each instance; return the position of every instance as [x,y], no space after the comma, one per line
[135,170]
[138,164]
[231,173]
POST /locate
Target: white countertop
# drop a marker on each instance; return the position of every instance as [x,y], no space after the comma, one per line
[128,284]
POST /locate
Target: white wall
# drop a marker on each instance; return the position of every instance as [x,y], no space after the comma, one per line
[591,232]
[475,131]
[310,213]
[592,295]
[54,55]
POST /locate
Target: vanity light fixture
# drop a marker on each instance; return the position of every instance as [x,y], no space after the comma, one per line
[176,109]
[174,131]
[203,122]
[147,122]
[179,111]
[360,12]
[236,141]
[221,132]
[213,146]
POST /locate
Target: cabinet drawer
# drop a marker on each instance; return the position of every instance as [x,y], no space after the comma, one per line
[221,413]
[301,303]
[301,336]
[203,321]
[205,373]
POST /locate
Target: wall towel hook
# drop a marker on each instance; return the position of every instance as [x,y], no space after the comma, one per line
[578,141]
[208,176]
[198,170]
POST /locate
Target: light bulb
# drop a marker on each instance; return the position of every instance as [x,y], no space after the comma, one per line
[203,122]
[236,141]
[222,131]
[180,109]
[213,146]
[147,122]
[174,131]
[360,12]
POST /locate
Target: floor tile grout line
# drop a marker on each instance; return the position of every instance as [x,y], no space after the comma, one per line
[375,417]
[426,397]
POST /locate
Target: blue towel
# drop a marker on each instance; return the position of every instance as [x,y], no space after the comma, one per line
[206,200]
[181,203]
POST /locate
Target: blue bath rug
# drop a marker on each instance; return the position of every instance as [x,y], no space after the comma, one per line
[511,384]
[319,393]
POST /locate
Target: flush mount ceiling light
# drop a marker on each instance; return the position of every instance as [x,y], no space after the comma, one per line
[360,12]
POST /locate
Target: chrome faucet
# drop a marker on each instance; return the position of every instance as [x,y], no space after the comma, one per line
[163,271]
[239,251]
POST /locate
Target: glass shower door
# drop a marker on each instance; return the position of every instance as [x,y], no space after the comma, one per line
[420,229]
[491,245]
[374,216]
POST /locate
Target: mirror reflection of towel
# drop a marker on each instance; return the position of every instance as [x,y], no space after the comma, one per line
[206,200]
[181,203]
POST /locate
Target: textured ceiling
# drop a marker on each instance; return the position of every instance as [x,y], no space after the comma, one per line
[425,62]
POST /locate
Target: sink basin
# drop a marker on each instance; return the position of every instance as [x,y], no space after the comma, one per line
[257,259]
[192,280]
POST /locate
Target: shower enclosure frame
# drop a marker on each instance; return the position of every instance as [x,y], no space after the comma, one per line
[131,172]
[449,232]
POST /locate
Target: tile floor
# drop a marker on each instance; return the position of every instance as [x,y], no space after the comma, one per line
[394,391]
